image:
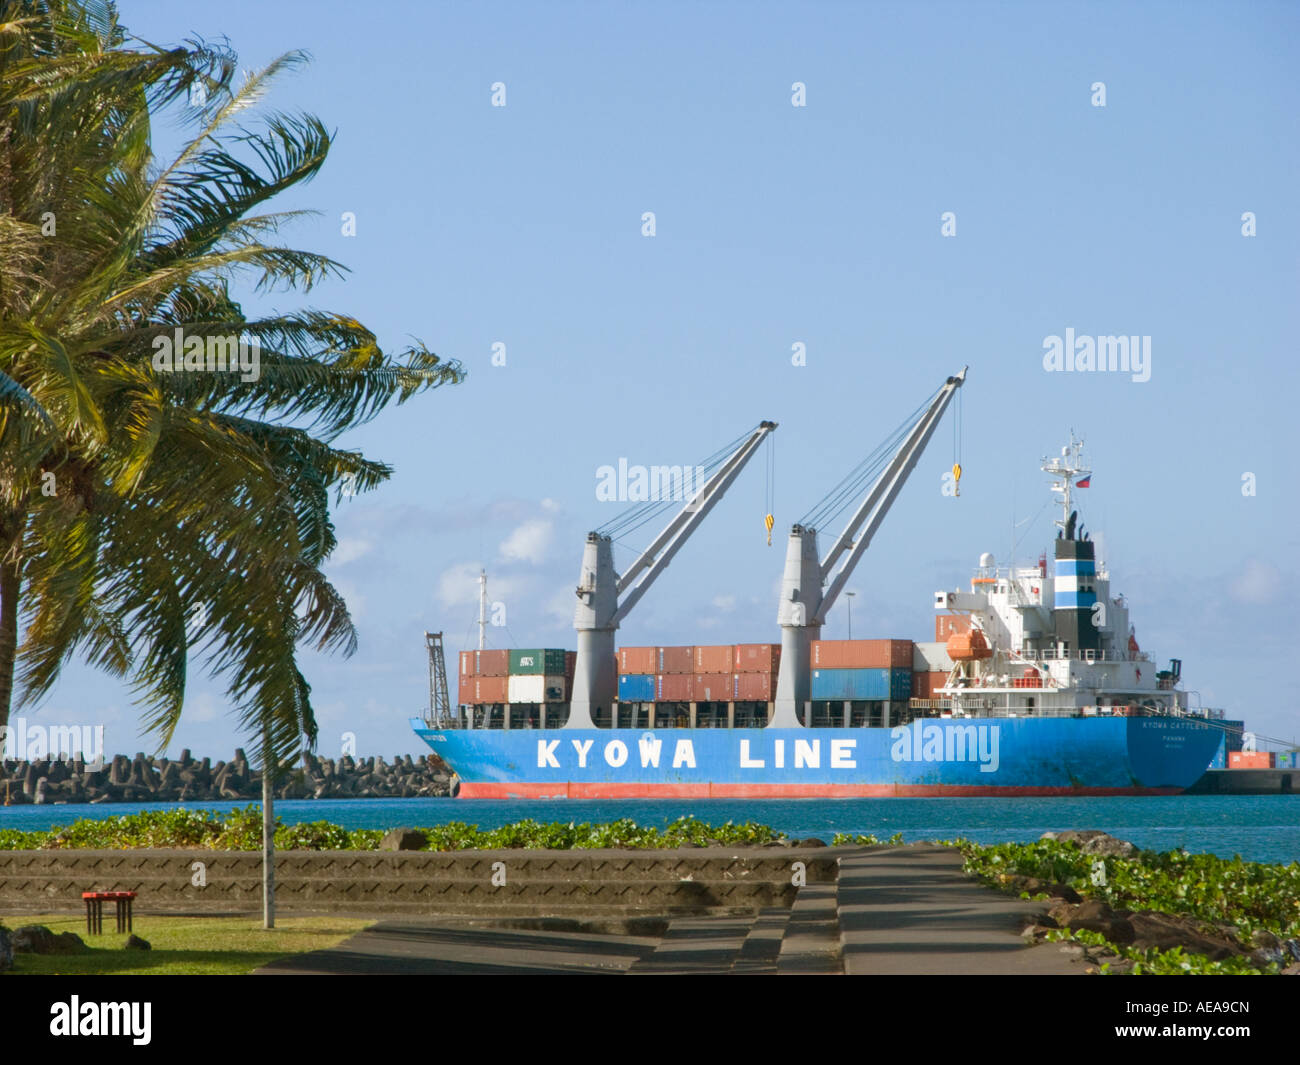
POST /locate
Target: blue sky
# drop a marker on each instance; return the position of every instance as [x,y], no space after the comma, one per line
[778,225]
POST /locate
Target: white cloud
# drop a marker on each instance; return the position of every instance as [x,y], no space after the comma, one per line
[350,549]
[724,602]
[1259,584]
[529,541]
[458,585]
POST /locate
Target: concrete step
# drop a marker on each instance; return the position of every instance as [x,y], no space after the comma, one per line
[811,944]
[762,947]
[696,945]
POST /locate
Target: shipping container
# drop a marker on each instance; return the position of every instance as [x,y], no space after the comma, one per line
[715,687]
[1285,760]
[757,657]
[477,690]
[636,687]
[853,685]
[946,625]
[675,660]
[490,663]
[546,661]
[931,657]
[717,658]
[1250,760]
[570,658]
[753,687]
[862,654]
[674,687]
[926,685]
[637,659]
[534,688]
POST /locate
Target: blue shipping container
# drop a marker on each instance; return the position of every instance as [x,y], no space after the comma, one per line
[853,685]
[636,687]
[1286,760]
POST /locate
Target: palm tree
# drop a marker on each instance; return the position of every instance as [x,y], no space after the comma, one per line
[174,491]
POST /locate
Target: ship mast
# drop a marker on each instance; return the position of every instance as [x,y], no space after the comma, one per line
[1070,467]
[482,609]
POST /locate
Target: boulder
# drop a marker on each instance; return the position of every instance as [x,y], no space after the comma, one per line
[37,939]
[134,942]
[811,841]
[404,839]
[1091,841]
[1163,931]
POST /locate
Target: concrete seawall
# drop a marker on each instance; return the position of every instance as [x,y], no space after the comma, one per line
[530,883]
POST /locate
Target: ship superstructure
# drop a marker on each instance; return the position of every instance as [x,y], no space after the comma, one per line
[1051,638]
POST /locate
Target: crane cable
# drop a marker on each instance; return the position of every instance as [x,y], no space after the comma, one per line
[768,520]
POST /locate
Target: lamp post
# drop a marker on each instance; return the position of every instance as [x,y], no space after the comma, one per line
[850,597]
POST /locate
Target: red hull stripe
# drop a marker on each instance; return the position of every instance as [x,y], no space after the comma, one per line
[578,790]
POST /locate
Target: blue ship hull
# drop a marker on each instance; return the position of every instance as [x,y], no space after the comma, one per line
[965,757]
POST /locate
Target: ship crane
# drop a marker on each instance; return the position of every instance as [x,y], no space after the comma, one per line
[605,597]
[804,605]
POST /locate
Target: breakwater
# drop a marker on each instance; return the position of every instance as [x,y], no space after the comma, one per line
[187,779]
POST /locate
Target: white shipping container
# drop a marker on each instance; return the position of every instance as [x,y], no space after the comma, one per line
[535,688]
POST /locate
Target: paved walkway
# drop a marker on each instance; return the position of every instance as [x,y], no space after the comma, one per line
[895,911]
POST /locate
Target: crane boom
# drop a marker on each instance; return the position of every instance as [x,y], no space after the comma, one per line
[882,496]
[599,610]
[804,605]
[684,523]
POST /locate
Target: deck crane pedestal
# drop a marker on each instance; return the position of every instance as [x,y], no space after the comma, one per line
[804,606]
[605,598]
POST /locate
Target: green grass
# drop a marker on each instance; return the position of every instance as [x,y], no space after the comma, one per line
[182,946]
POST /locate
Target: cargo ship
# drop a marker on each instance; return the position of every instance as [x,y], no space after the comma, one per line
[1034,684]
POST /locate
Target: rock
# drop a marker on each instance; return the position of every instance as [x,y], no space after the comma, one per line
[404,839]
[811,841]
[1291,970]
[1163,931]
[1264,956]
[1292,947]
[1091,841]
[134,942]
[37,939]
[6,950]
[1094,915]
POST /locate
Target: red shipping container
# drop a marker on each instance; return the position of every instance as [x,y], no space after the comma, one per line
[491,663]
[674,688]
[714,687]
[1250,760]
[754,687]
[475,690]
[637,659]
[862,654]
[675,660]
[467,663]
[715,659]
[946,625]
[927,685]
[757,657]
[570,658]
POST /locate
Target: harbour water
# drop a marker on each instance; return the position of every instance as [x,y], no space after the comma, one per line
[1263,828]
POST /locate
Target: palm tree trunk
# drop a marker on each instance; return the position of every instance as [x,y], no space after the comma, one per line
[9,586]
[268,837]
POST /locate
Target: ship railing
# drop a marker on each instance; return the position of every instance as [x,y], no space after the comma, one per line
[1051,654]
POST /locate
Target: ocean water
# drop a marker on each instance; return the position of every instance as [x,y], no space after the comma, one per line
[1262,828]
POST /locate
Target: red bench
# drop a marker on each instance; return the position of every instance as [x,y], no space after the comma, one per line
[95,910]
